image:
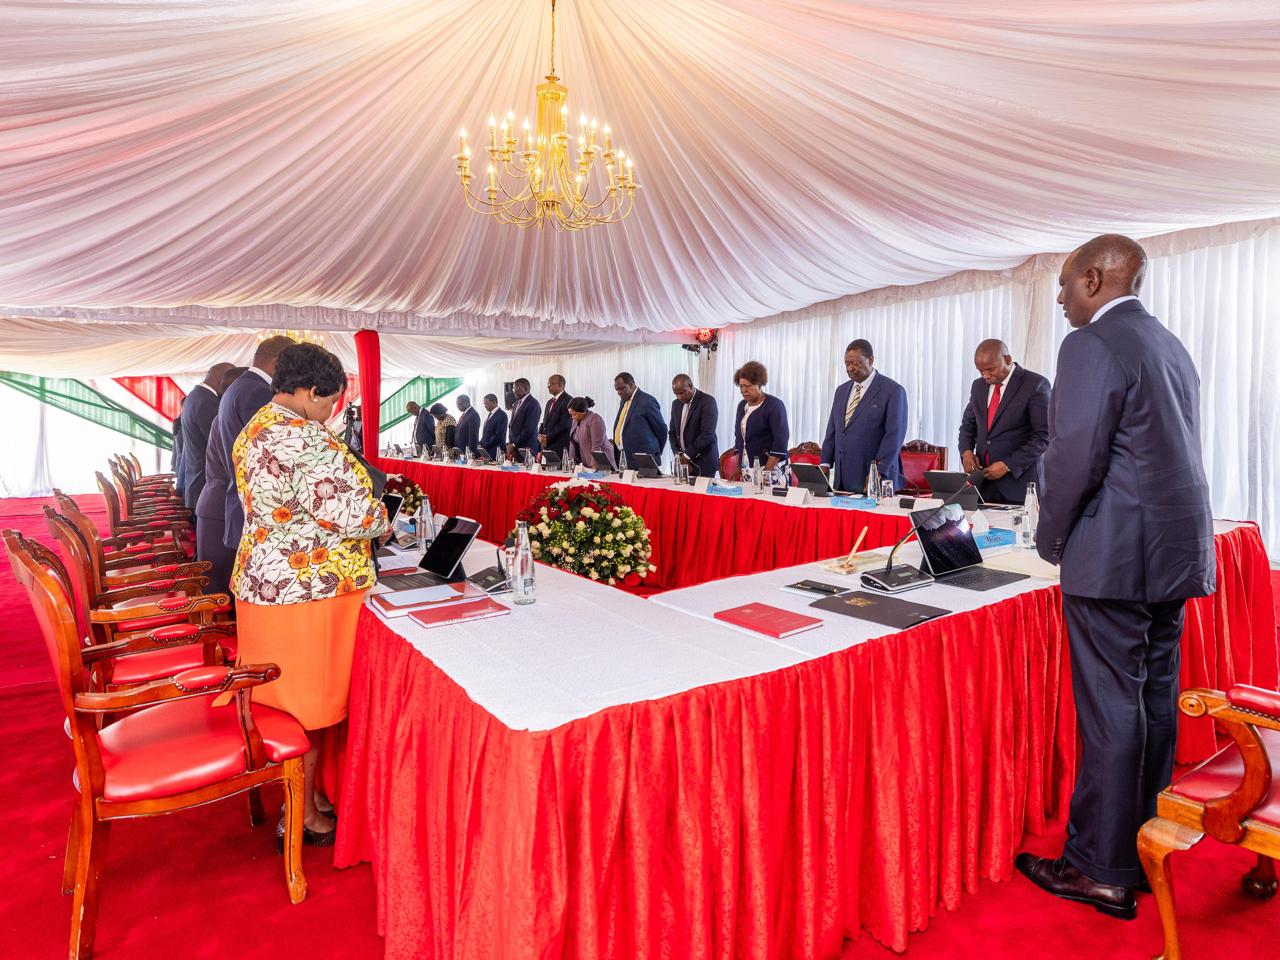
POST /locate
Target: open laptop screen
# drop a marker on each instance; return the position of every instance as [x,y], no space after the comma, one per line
[946,539]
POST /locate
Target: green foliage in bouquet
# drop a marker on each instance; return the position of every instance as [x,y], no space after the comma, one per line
[585,528]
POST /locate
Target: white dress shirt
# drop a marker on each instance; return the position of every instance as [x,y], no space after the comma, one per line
[991,387]
[684,418]
[1109,304]
[262,373]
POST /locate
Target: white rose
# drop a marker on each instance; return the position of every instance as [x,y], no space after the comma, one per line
[570,550]
[617,522]
[556,551]
[608,537]
[594,575]
[580,525]
[652,567]
[543,529]
[595,540]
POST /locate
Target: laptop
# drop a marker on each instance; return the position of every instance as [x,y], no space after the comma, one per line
[951,555]
[482,456]
[813,478]
[442,563]
[647,466]
[602,461]
[944,483]
[551,459]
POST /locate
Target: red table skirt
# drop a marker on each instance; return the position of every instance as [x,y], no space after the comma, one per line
[695,538]
[767,817]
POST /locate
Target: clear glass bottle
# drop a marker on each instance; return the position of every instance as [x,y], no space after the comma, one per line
[528,459]
[523,575]
[424,524]
[1030,517]
[622,460]
[873,479]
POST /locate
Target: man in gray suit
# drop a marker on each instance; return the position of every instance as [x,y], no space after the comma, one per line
[1125,514]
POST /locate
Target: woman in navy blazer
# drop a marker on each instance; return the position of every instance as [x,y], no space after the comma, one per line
[766,436]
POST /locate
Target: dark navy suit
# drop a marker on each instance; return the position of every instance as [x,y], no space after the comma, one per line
[467,434]
[1125,514]
[699,442]
[523,428]
[220,515]
[424,428]
[494,434]
[767,432]
[876,432]
[1018,435]
[556,423]
[198,412]
[644,431]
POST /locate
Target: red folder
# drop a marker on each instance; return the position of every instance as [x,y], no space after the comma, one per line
[771,621]
[459,613]
[398,604]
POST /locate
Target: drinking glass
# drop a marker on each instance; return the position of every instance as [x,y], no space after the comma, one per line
[886,489]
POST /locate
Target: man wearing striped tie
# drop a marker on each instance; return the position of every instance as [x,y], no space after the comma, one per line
[868,422]
[1005,429]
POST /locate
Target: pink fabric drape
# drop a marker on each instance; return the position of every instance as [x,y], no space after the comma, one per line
[369,356]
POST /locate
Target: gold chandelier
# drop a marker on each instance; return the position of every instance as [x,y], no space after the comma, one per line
[532,181]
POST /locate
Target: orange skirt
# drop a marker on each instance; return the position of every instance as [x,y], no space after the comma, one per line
[312,643]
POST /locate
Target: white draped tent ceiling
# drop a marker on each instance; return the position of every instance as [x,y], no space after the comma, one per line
[233,165]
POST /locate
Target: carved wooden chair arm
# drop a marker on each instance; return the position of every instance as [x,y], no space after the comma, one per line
[196,682]
[164,553]
[1236,712]
[160,586]
[161,638]
[204,603]
[193,569]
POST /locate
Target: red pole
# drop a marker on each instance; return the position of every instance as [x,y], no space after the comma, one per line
[369,357]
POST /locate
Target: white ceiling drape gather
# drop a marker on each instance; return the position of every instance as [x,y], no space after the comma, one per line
[269,162]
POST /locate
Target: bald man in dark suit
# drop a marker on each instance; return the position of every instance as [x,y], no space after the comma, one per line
[1125,515]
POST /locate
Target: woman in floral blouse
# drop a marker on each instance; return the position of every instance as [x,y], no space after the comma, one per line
[305,560]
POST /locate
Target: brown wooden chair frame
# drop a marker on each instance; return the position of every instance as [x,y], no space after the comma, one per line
[1180,822]
[87,838]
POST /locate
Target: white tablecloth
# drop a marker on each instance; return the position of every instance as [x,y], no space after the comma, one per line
[584,646]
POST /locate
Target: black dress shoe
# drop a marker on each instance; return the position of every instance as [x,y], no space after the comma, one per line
[1063,880]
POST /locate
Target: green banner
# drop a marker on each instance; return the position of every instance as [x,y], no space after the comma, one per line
[422,390]
[87,403]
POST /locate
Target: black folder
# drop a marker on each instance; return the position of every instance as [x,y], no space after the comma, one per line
[877,608]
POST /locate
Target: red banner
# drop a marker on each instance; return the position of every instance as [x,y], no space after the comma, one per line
[161,394]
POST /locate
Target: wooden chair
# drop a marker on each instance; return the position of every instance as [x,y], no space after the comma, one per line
[157,543]
[807,452]
[917,457]
[730,468]
[178,522]
[170,641]
[174,749]
[144,500]
[1233,796]
[134,467]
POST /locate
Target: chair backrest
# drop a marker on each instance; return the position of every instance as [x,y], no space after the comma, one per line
[123,487]
[57,621]
[729,464]
[917,457]
[110,498]
[89,536]
[807,452]
[80,556]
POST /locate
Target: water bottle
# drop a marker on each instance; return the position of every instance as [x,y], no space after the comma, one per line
[622,460]
[755,475]
[424,524]
[528,459]
[1030,517]
[873,479]
[568,462]
[522,581]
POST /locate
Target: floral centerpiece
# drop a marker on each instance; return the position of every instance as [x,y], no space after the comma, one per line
[585,528]
[404,487]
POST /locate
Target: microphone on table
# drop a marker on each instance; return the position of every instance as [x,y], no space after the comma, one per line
[906,577]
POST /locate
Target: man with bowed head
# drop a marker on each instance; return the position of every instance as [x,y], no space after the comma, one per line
[1125,515]
[1005,426]
[638,427]
[522,431]
[868,422]
[198,411]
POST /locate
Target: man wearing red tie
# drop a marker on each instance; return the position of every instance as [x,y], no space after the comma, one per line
[1005,428]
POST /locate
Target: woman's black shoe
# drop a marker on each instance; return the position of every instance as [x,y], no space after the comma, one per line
[310,838]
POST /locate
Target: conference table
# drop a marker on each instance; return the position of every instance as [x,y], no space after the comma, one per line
[695,536]
[600,775]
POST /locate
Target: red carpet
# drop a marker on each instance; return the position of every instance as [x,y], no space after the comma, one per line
[205,884]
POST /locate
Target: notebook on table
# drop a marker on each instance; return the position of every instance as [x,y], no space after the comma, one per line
[877,608]
[403,602]
[464,612]
[771,621]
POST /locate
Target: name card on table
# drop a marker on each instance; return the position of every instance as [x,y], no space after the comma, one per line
[725,490]
[591,474]
[701,485]
[796,497]
[510,468]
[537,467]
[995,537]
[853,503]
[628,476]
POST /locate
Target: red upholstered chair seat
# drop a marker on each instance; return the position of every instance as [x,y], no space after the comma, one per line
[184,745]
[155,664]
[150,623]
[1222,773]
